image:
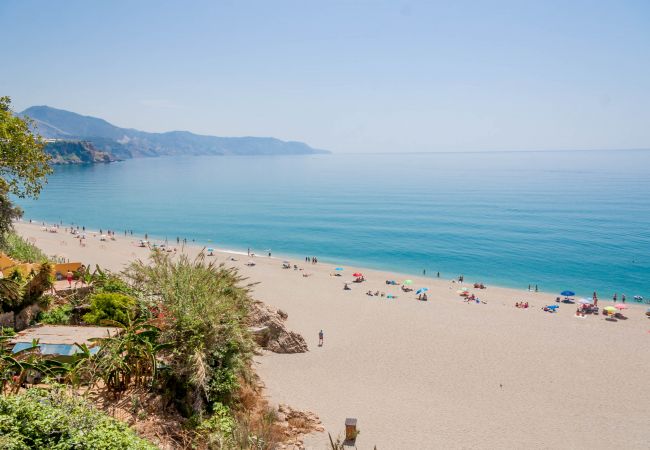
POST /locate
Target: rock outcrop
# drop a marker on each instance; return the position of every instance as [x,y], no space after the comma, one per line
[295,424]
[271,333]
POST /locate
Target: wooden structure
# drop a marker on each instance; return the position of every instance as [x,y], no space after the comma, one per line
[350,429]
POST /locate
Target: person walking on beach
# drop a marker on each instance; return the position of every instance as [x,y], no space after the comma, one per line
[623,298]
[320,338]
[68,276]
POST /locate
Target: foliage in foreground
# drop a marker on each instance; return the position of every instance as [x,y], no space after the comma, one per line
[40,419]
[19,249]
[203,314]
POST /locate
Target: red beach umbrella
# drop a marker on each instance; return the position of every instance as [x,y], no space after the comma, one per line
[357,274]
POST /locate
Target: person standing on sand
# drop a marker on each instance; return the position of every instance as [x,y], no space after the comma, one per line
[320,338]
[68,276]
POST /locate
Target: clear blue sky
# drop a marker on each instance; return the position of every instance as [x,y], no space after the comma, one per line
[341,75]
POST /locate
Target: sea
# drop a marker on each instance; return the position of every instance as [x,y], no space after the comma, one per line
[559,220]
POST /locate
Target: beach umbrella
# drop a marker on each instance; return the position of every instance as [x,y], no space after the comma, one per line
[357,274]
[210,250]
[552,306]
[620,306]
[421,290]
[586,301]
[609,309]
[408,281]
[338,269]
[464,289]
[568,293]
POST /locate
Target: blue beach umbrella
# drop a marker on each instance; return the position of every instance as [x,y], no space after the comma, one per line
[210,250]
[338,269]
[553,306]
[421,290]
[568,293]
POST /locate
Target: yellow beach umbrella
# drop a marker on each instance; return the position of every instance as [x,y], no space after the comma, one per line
[609,309]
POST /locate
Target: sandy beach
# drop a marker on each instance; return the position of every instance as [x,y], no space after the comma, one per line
[438,374]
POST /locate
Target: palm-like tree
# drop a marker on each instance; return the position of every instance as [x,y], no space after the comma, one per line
[130,356]
[17,293]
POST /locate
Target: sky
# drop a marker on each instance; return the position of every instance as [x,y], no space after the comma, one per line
[347,76]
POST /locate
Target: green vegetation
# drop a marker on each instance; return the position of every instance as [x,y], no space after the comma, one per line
[40,419]
[184,338]
[19,249]
[18,292]
[130,357]
[59,315]
[23,163]
[204,315]
[110,306]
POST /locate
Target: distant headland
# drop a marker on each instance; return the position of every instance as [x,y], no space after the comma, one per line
[72,138]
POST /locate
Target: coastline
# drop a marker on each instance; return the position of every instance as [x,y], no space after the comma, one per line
[403,274]
[463,374]
[338,261]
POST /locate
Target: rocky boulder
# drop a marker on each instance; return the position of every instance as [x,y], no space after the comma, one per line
[271,333]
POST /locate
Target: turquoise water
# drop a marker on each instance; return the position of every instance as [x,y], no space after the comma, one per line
[562,220]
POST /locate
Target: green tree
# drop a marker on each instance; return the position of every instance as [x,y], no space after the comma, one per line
[23,162]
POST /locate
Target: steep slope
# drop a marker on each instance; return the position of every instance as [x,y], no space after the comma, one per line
[76,152]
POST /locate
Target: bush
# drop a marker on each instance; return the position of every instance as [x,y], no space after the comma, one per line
[38,419]
[110,306]
[7,331]
[59,315]
[19,249]
[205,321]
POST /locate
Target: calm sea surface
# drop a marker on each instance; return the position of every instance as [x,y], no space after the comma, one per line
[562,220]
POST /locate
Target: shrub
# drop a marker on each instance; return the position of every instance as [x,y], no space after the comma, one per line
[110,306]
[38,419]
[205,322]
[19,249]
[59,315]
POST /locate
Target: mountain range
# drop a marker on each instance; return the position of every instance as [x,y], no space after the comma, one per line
[110,142]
